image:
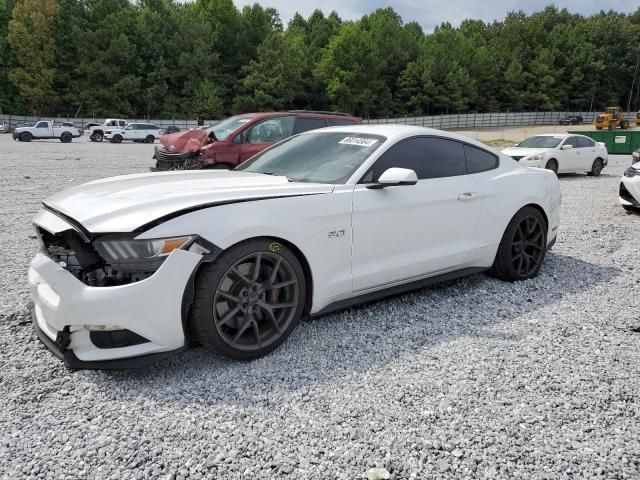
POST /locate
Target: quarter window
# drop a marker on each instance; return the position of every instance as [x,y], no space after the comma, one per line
[573,141]
[429,157]
[479,160]
[334,122]
[271,131]
[584,142]
[304,124]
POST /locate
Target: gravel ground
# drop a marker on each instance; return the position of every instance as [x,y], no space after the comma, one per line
[471,379]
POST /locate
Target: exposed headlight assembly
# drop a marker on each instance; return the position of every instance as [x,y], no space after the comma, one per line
[636,156]
[631,172]
[130,255]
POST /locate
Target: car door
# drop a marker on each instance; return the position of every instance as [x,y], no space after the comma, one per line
[588,153]
[264,134]
[130,132]
[569,159]
[406,232]
[42,130]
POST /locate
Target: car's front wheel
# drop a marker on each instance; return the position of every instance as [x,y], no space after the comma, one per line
[116,139]
[523,246]
[249,300]
[552,165]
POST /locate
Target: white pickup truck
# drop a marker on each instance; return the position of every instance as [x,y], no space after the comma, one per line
[96,133]
[47,129]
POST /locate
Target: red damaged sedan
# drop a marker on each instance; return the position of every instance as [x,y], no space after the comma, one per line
[235,139]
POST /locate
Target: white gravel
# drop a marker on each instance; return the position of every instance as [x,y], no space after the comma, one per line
[473,379]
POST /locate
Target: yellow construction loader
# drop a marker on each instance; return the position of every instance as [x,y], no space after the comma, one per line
[611,118]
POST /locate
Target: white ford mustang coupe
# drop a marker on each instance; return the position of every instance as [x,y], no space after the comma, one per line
[130,265]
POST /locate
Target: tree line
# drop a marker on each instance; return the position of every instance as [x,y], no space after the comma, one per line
[207,58]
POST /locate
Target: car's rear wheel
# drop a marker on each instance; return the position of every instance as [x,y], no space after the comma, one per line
[249,300]
[552,165]
[150,139]
[25,137]
[66,138]
[523,246]
[116,139]
[596,168]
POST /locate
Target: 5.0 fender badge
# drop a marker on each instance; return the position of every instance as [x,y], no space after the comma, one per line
[336,234]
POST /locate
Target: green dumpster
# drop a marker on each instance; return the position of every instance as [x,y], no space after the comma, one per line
[617,141]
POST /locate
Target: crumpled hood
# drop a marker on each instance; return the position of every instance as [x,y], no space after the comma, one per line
[524,152]
[122,204]
[182,142]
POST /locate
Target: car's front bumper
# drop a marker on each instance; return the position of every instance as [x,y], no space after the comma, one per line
[66,311]
[629,191]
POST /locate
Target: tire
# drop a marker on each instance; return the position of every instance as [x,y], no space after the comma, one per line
[552,165]
[523,246]
[116,139]
[97,137]
[25,137]
[596,168]
[66,138]
[228,313]
[630,208]
[149,139]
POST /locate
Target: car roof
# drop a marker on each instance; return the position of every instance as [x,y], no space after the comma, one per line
[299,113]
[398,132]
[559,135]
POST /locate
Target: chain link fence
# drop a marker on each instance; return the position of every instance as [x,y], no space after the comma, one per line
[485,120]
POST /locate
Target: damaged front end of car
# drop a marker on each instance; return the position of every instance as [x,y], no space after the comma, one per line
[182,150]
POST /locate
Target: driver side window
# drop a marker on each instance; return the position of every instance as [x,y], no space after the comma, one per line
[42,125]
[429,157]
[271,131]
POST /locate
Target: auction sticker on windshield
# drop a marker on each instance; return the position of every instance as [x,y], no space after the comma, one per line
[362,142]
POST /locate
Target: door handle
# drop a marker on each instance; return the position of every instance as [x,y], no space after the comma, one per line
[463,197]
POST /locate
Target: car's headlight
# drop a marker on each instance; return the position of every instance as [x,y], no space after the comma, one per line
[631,172]
[636,156]
[129,255]
[534,158]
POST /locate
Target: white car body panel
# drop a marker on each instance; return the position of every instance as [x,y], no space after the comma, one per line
[632,184]
[105,206]
[355,240]
[573,160]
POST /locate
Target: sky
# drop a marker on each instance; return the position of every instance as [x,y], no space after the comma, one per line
[430,13]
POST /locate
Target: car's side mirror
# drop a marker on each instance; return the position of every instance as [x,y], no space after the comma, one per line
[566,147]
[395,177]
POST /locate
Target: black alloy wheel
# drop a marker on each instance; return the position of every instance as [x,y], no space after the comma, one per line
[255,301]
[523,246]
[527,246]
[249,300]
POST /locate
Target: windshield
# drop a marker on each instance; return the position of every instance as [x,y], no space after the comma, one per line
[319,157]
[226,127]
[540,142]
